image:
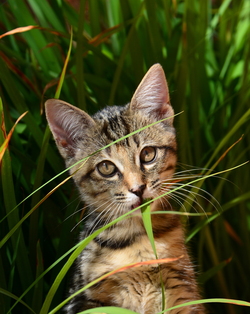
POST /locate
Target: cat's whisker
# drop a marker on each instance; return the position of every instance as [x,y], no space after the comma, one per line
[79,210]
[212,201]
[165,199]
[200,175]
[176,199]
[182,177]
[110,212]
[175,194]
[95,208]
[171,183]
[191,167]
[119,211]
[188,199]
[100,217]
[90,213]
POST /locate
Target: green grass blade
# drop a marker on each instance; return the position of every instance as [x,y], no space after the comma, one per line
[146,218]
[9,197]
[62,76]
[7,293]
[205,301]
[109,310]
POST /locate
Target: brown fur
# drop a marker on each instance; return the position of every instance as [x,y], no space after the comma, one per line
[138,167]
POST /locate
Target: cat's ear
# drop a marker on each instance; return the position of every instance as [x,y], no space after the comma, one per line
[152,96]
[68,125]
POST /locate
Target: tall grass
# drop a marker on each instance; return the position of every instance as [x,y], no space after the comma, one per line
[204,48]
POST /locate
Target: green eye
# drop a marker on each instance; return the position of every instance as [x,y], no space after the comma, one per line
[107,168]
[148,154]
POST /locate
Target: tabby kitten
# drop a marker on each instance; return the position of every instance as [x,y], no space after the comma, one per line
[113,182]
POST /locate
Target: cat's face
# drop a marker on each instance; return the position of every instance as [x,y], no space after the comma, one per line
[118,178]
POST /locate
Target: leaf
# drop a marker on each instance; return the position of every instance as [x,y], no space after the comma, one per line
[5,144]
[60,83]
[108,310]
[19,30]
[146,217]
[11,295]
[205,301]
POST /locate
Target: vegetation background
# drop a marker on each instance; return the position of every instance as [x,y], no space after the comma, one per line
[204,48]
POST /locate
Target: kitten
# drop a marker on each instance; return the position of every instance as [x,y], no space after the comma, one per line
[113,182]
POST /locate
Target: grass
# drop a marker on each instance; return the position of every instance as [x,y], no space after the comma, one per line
[204,48]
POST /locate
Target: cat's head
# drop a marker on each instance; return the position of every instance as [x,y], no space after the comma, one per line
[120,176]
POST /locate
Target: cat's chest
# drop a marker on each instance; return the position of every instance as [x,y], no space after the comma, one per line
[97,261]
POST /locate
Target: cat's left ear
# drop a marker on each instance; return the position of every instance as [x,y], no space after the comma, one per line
[151,97]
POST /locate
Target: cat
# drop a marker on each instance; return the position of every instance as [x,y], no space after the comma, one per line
[116,180]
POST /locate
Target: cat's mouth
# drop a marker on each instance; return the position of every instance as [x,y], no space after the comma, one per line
[137,204]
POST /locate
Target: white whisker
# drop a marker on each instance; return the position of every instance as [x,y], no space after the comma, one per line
[89,214]
[107,211]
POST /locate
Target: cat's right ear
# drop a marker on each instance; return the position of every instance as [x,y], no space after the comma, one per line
[151,97]
[68,125]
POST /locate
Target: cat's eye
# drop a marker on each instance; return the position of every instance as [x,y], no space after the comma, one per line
[106,168]
[148,154]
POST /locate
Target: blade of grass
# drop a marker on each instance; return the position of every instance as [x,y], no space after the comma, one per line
[62,76]
[19,30]
[113,310]
[17,99]
[79,59]
[123,54]
[22,261]
[11,295]
[146,218]
[205,301]
[213,271]
[41,162]
[5,144]
[151,262]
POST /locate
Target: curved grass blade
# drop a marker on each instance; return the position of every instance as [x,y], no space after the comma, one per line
[11,295]
[146,218]
[151,262]
[19,30]
[9,201]
[122,56]
[62,76]
[114,310]
[229,135]
[204,301]
[108,310]
[213,271]
[5,144]
[225,207]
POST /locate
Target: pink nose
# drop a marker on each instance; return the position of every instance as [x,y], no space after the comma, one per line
[138,190]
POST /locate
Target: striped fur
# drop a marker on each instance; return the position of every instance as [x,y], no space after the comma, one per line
[112,182]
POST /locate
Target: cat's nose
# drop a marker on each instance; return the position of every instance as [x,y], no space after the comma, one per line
[138,190]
